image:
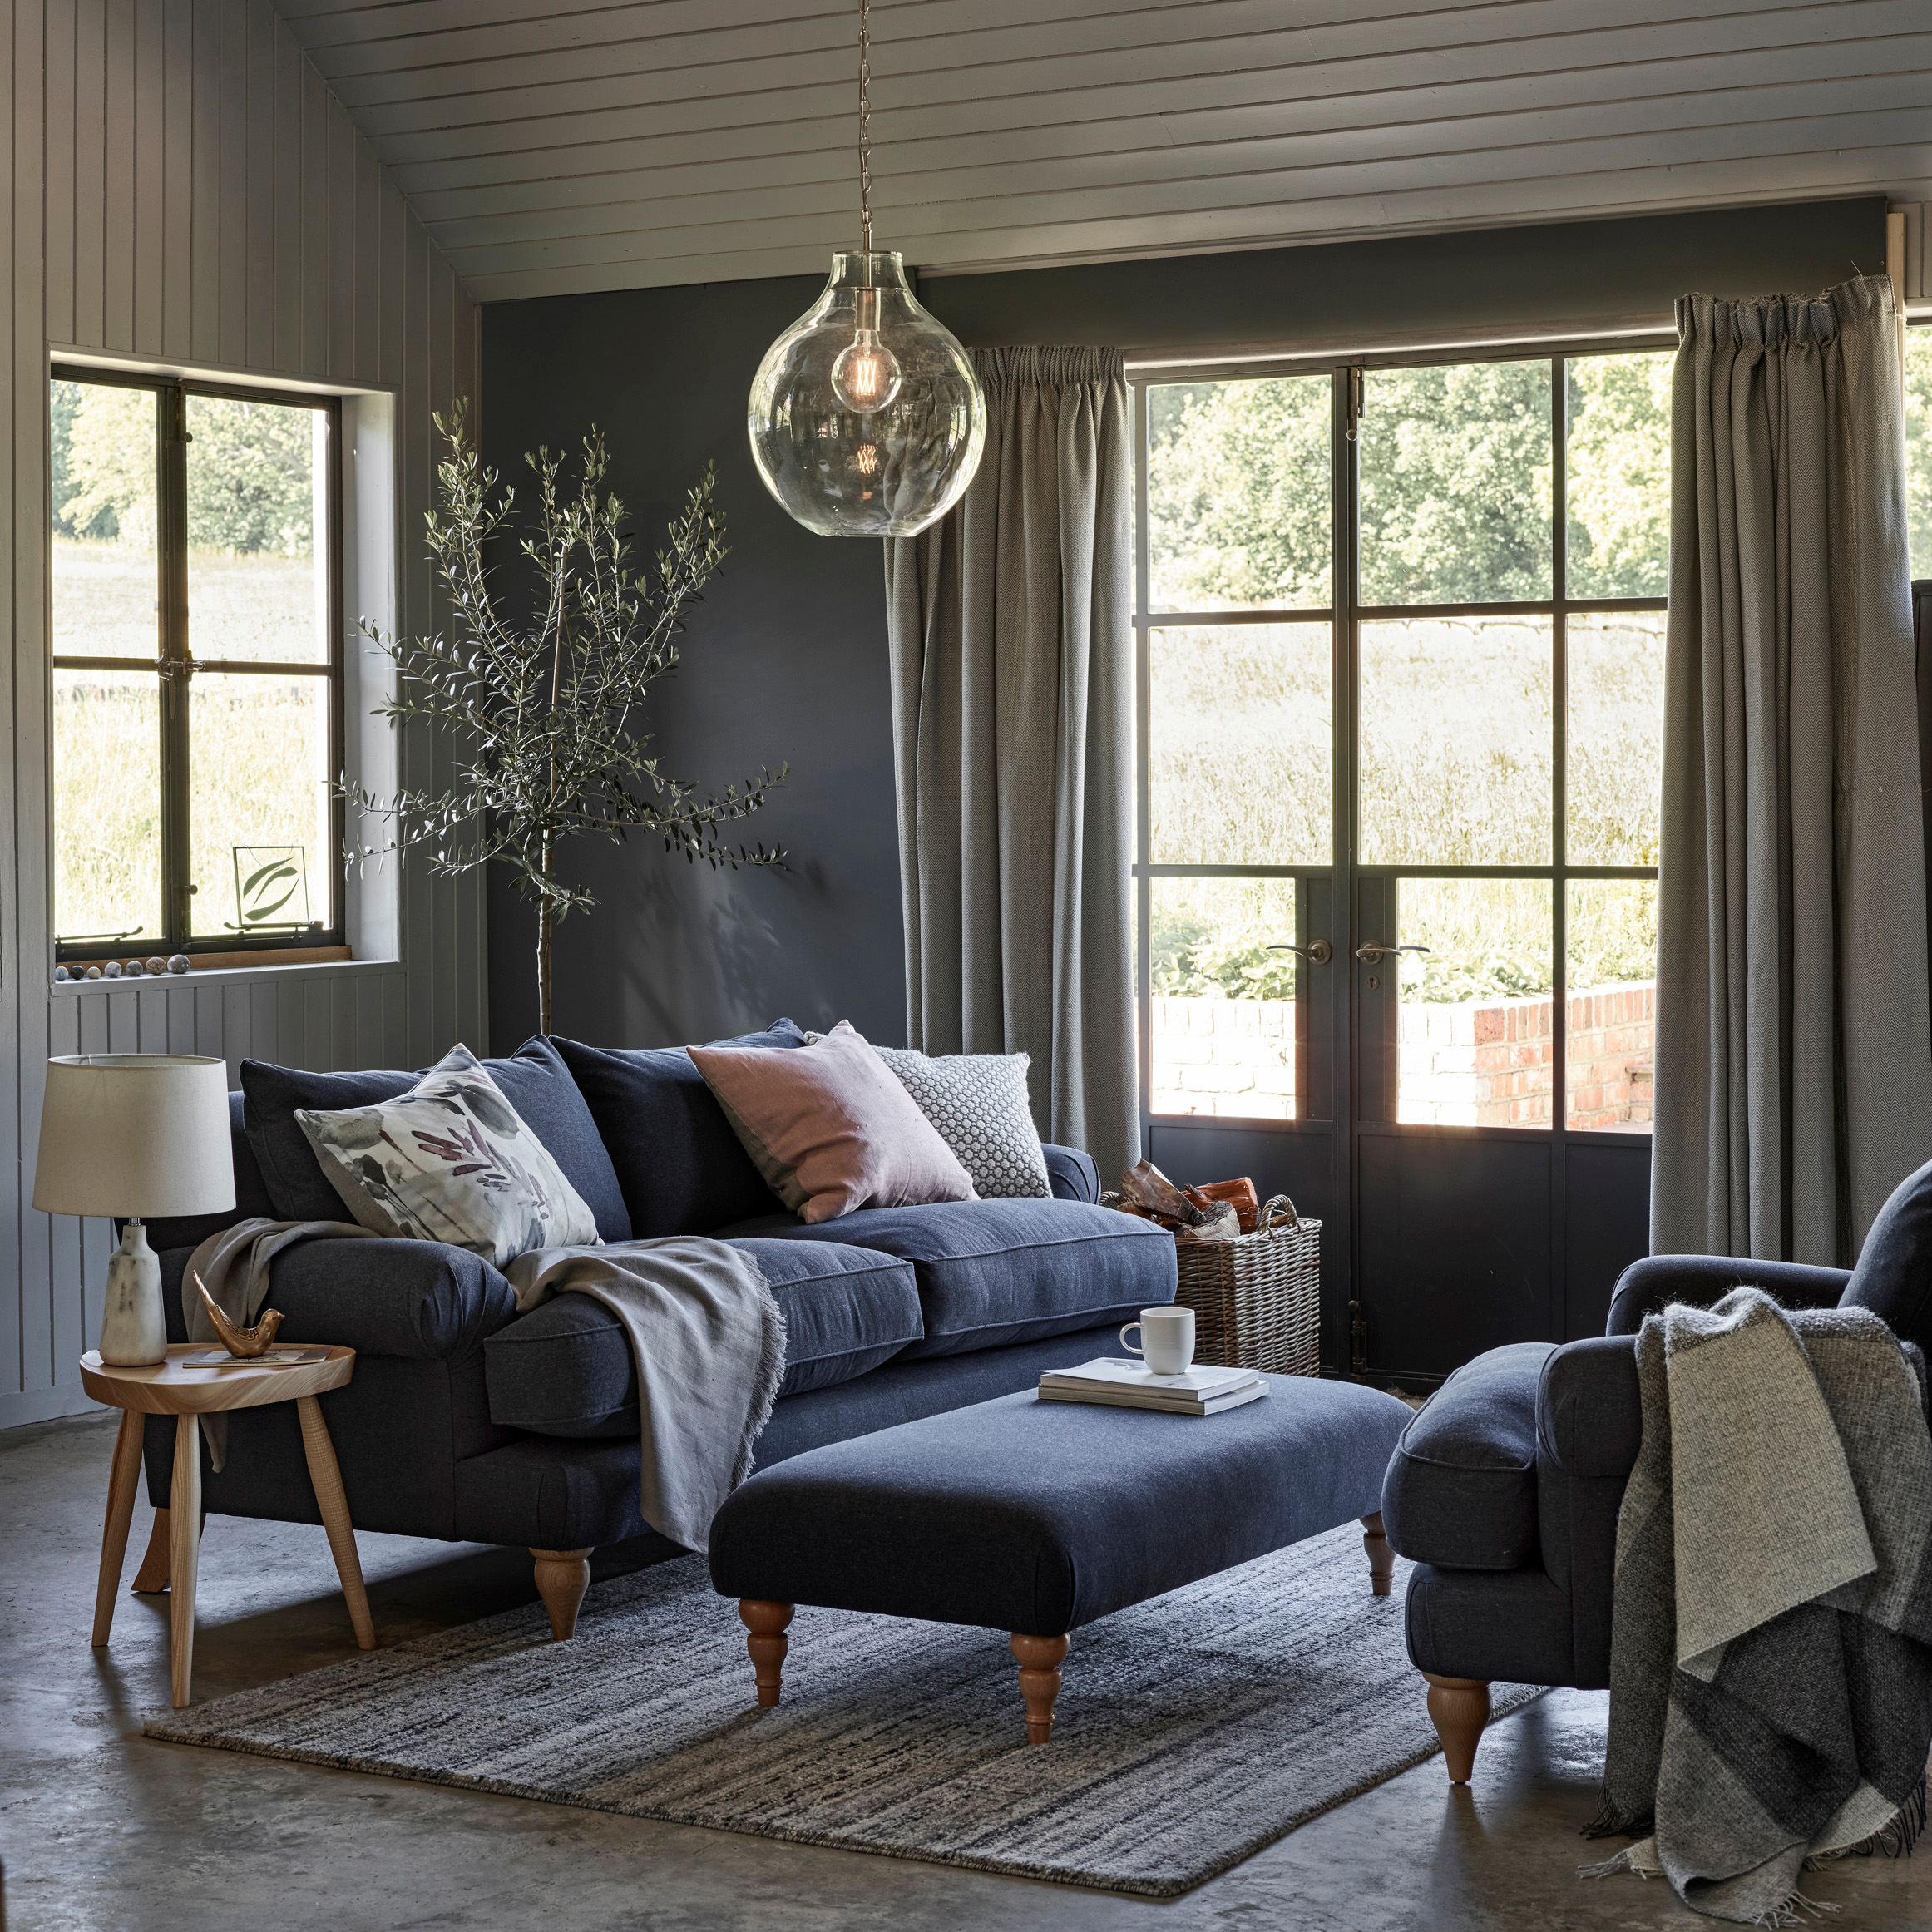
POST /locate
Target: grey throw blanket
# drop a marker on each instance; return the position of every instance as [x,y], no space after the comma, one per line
[707,1336]
[709,1341]
[1770,1664]
[233,1267]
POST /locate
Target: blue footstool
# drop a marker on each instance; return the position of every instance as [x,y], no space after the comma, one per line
[1036,1518]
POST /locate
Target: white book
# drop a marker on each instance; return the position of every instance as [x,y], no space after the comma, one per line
[1116,1372]
[1121,1398]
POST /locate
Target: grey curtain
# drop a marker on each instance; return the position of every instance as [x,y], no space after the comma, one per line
[1794,1068]
[1012,652]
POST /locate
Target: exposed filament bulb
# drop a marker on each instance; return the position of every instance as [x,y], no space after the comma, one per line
[866,377]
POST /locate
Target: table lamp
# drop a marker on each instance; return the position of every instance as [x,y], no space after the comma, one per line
[128,1135]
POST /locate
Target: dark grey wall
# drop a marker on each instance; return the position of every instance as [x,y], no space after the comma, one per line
[787,657]
[785,660]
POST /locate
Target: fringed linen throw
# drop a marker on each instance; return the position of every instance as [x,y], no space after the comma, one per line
[1771,1662]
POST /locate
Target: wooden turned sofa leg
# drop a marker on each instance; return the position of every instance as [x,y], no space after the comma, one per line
[1040,1659]
[1458,1708]
[1382,1560]
[562,1577]
[766,1644]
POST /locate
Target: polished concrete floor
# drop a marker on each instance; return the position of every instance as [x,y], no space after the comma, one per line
[102,1830]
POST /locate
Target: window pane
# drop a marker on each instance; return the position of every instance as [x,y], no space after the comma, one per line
[1237,494]
[1612,1003]
[1222,1020]
[107,803]
[1239,743]
[1455,484]
[258,531]
[1918,445]
[106,577]
[1476,1041]
[1615,764]
[1616,486]
[258,803]
[1456,741]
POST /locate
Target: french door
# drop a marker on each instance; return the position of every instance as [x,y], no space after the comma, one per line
[1400,624]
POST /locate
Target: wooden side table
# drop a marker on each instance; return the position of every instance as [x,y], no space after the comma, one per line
[172,1388]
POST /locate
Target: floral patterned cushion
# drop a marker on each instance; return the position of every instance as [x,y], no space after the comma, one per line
[450,1160]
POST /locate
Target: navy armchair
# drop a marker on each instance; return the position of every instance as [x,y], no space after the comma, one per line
[1505,1488]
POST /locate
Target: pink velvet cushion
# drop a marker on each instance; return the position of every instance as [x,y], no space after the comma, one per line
[830,1127]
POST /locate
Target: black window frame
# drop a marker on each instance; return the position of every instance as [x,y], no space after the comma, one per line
[1374,1109]
[176,666]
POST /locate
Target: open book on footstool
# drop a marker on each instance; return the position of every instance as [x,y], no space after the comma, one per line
[1124,1383]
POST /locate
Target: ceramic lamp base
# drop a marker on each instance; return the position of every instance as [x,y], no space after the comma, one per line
[134,1332]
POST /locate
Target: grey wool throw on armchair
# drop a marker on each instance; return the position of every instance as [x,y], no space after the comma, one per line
[1771,1658]
[1011,626]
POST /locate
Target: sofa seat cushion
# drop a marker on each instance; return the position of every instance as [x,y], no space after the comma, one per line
[1460,1491]
[678,1164]
[992,1272]
[565,1368]
[534,1081]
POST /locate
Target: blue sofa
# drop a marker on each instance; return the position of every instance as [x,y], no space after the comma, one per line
[1505,1491]
[466,1422]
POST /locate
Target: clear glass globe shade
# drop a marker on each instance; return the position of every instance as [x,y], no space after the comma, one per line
[889,470]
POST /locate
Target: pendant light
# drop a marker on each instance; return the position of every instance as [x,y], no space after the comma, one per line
[866,418]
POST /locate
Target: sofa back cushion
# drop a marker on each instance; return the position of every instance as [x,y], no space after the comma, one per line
[677,1163]
[1893,1275]
[534,1079]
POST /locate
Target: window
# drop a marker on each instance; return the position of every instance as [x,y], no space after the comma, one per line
[1919,445]
[196,664]
[1464,735]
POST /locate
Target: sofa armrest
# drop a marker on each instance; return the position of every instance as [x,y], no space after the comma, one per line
[421,1301]
[1647,1286]
[1461,1489]
[1071,1174]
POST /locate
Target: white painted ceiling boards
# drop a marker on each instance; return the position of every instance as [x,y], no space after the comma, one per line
[552,147]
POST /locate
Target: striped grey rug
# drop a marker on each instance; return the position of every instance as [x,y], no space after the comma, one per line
[1192,1731]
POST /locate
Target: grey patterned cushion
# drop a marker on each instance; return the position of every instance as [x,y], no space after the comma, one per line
[450,1160]
[977,1101]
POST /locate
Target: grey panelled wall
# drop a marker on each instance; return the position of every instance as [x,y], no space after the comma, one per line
[186,192]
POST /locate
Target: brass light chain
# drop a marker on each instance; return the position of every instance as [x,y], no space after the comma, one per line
[865,122]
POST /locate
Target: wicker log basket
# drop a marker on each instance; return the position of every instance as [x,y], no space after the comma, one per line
[1256,1299]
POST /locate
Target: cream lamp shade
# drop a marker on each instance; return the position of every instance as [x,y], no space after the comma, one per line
[135,1134]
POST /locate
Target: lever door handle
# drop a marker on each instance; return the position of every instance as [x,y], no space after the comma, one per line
[1317,951]
[1374,950]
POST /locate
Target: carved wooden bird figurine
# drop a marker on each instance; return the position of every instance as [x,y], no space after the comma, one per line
[244,1342]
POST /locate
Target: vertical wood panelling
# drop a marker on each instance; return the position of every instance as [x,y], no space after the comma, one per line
[185,188]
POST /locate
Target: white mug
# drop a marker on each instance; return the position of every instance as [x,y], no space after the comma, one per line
[1167,1339]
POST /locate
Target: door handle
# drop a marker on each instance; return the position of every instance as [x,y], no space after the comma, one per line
[1374,950]
[1317,951]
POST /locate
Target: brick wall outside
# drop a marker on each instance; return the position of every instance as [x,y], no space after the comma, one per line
[1483,1063]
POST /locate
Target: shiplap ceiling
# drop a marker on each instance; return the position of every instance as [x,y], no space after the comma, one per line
[552,147]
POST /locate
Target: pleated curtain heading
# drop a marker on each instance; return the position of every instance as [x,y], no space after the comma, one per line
[1012,662]
[1794,1055]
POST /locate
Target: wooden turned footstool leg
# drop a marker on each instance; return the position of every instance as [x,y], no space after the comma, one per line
[1039,1661]
[766,1644]
[1458,1708]
[1382,1560]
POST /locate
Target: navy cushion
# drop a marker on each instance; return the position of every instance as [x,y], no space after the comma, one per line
[534,1079]
[1893,1275]
[681,1167]
[1025,1515]
[992,1272]
[1461,1488]
[565,1368]
[251,1195]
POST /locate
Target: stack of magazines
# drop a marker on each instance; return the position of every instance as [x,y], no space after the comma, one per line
[1128,1384]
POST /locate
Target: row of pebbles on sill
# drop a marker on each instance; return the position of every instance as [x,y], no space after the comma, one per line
[133,969]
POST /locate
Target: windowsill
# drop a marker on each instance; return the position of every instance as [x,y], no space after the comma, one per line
[263,965]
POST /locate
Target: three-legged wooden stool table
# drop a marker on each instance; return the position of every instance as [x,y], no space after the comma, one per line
[170,1388]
